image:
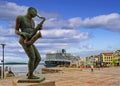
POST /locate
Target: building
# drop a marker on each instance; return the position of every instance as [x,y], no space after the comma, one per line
[89,61]
[93,60]
[106,58]
[96,60]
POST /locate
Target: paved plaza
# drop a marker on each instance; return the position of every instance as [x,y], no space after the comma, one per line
[76,77]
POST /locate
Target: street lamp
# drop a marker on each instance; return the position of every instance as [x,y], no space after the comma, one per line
[3,45]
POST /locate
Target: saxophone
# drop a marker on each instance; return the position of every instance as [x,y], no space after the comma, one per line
[34,35]
[37,28]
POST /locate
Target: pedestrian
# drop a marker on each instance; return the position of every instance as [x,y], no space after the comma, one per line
[92,70]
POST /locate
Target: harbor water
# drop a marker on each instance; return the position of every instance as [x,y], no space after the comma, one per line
[22,69]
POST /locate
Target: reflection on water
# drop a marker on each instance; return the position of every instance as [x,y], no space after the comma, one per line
[23,69]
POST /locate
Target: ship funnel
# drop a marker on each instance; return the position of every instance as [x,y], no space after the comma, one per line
[63,51]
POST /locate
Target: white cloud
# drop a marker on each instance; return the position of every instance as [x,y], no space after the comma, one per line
[75,22]
[110,22]
[92,52]
[17,59]
[9,11]
[86,46]
[66,34]
[7,32]
[47,15]
[55,23]
[57,33]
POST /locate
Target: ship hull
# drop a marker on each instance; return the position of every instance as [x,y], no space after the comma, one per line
[56,63]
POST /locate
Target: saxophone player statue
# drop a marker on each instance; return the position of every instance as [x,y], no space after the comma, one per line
[25,28]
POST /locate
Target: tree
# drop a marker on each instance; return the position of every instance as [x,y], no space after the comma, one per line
[114,61]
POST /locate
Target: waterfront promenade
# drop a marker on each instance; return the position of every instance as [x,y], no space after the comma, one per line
[76,77]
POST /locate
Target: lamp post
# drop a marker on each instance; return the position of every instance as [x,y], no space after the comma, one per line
[3,45]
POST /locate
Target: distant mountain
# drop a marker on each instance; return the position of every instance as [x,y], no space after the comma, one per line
[13,63]
[18,63]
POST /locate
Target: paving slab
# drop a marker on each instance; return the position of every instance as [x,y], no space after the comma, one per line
[76,77]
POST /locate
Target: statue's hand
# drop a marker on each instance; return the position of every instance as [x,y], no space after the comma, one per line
[24,34]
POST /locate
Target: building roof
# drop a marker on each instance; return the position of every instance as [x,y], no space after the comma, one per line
[107,53]
[96,56]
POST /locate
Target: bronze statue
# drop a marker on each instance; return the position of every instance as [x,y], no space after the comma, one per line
[25,28]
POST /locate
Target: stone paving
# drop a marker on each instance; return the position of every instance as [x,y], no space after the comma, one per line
[76,77]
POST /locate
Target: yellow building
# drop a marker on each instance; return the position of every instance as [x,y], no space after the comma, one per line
[107,58]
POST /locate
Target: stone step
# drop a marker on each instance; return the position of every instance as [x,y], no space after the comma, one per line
[22,83]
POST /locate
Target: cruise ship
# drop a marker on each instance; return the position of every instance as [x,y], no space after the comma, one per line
[60,58]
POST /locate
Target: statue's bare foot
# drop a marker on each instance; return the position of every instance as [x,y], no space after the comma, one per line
[27,74]
[33,77]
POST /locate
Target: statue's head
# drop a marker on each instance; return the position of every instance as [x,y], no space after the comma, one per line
[32,11]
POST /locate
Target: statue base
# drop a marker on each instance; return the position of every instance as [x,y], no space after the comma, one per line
[32,82]
[25,80]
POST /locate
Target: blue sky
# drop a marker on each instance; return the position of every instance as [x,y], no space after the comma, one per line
[82,27]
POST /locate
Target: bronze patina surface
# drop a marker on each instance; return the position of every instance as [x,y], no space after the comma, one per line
[25,28]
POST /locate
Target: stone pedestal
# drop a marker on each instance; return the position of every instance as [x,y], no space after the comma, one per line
[25,80]
[37,82]
[43,83]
